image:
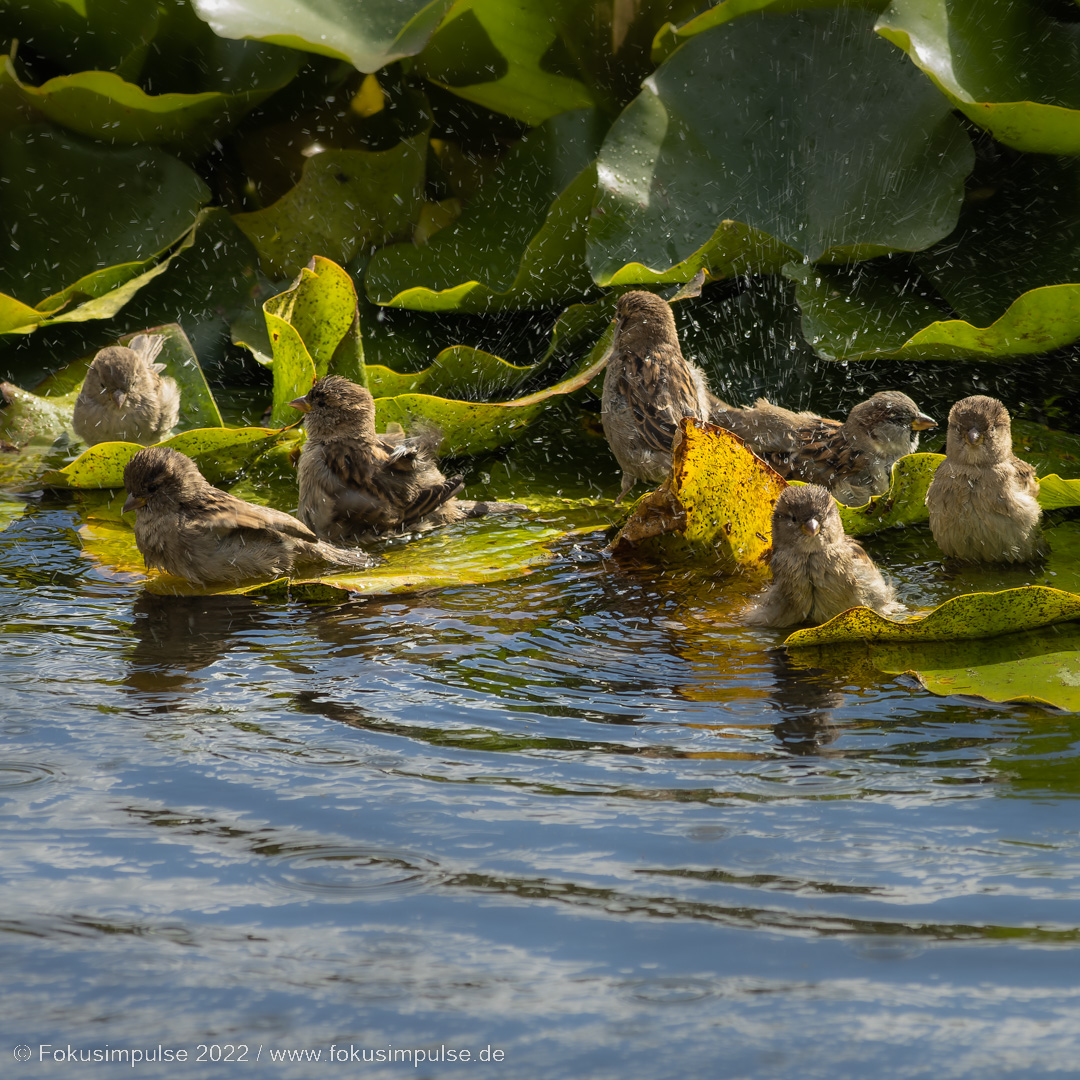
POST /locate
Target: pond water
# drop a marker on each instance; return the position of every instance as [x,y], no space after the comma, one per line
[580,821]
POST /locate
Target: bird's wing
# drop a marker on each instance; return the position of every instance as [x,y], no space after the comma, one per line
[429,499]
[148,346]
[220,513]
[658,376]
[1025,475]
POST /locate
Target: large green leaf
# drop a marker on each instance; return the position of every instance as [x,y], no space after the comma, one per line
[345,200]
[102,105]
[973,615]
[1022,203]
[867,312]
[88,215]
[520,243]
[1006,65]
[369,35]
[836,152]
[507,57]
[220,453]
[903,504]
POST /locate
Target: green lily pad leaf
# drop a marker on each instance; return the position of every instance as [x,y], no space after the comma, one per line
[507,58]
[112,208]
[219,452]
[456,367]
[346,200]
[520,243]
[858,315]
[1058,494]
[102,105]
[974,615]
[470,427]
[369,35]
[719,500]
[314,329]
[1041,669]
[837,152]
[1008,67]
[1023,203]
[25,416]
[903,504]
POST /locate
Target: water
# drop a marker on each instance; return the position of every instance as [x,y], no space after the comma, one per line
[581,819]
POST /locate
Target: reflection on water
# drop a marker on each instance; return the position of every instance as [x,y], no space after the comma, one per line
[583,816]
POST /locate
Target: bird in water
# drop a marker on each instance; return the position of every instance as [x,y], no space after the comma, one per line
[193,530]
[983,500]
[124,397]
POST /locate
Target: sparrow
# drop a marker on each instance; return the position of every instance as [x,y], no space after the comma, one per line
[355,483]
[817,569]
[983,501]
[191,529]
[124,396]
[649,387]
[853,459]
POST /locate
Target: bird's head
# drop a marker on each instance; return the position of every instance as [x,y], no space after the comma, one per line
[805,517]
[980,432]
[336,407]
[158,475]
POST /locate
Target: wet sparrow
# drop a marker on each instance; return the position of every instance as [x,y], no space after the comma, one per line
[190,529]
[818,570]
[648,388]
[983,501]
[853,459]
[125,398]
[355,482]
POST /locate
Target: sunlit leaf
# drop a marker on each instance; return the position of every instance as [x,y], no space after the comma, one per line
[858,315]
[102,105]
[369,35]
[1006,65]
[720,499]
[671,175]
[453,369]
[903,504]
[974,615]
[346,200]
[219,452]
[506,57]
[24,416]
[1057,494]
[520,243]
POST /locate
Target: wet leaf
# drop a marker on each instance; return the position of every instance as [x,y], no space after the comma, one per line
[102,105]
[520,243]
[369,35]
[114,209]
[509,58]
[725,494]
[1007,66]
[903,504]
[974,615]
[346,200]
[1056,493]
[454,369]
[220,453]
[25,416]
[670,177]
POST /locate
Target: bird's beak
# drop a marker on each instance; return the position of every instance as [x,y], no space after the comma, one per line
[301,403]
[973,436]
[811,527]
[922,422]
[134,502]
[119,397]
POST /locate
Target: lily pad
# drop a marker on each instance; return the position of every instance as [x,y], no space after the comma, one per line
[859,315]
[509,58]
[369,35]
[116,209]
[346,200]
[670,175]
[1007,66]
[903,504]
[719,500]
[520,243]
[974,615]
[102,105]
[219,452]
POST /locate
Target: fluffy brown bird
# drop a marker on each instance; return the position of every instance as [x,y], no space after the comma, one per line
[853,459]
[983,501]
[648,388]
[125,397]
[355,482]
[191,529]
[818,570]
